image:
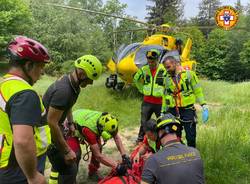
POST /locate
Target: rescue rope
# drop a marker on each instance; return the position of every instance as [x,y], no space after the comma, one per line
[86,155]
[88,150]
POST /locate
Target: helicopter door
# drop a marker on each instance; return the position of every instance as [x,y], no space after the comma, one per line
[165,41]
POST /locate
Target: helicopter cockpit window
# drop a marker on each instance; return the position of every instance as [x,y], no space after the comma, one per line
[122,53]
[174,53]
[140,57]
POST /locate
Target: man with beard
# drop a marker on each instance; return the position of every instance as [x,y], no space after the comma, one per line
[58,101]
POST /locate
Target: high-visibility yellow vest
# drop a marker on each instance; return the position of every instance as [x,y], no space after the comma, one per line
[151,86]
[184,93]
[87,118]
[9,87]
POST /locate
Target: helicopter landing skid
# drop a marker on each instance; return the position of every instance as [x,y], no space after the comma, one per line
[112,82]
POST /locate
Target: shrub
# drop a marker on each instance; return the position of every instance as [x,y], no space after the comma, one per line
[53,69]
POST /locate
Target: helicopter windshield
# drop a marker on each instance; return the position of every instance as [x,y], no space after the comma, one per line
[140,57]
[123,51]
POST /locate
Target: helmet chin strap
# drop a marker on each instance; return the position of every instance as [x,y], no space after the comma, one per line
[163,135]
[166,131]
[79,80]
[30,80]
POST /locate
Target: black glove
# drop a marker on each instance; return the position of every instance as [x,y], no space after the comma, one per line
[121,169]
[126,160]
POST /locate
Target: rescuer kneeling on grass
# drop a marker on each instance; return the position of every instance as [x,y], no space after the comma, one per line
[92,126]
[149,145]
[175,163]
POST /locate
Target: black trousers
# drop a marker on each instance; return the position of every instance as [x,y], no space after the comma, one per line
[147,109]
[188,120]
[67,173]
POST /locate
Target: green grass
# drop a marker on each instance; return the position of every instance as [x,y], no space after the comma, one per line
[125,105]
[224,142]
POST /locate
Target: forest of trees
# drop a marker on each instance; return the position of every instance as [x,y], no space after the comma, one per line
[68,34]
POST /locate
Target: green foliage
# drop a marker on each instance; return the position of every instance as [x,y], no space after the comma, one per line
[225,54]
[52,69]
[110,24]
[245,58]
[67,67]
[207,9]
[71,36]
[247,18]
[214,54]
[165,11]
[234,68]
[245,53]
[15,18]
[55,69]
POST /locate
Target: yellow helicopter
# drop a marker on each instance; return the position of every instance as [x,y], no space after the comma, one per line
[128,59]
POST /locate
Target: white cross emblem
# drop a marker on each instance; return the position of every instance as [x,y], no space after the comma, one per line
[226,17]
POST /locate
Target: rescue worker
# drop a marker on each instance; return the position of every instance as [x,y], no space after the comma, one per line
[150,82]
[94,125]
[181,92]
[149,145]
[175,163]
[58,101]
[23,137]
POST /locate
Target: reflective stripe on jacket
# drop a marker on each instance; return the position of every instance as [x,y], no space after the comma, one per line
[182,91]
[149,85]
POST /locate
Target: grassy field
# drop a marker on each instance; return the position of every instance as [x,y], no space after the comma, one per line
[224,142]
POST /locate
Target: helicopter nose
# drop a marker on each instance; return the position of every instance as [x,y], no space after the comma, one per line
[126,68]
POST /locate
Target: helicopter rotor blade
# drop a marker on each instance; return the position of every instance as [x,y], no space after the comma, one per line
[150,27]
[131,30]
[97,12]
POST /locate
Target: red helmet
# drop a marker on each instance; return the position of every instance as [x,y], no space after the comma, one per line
[22,48]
